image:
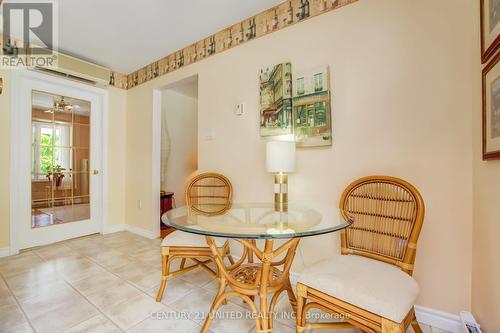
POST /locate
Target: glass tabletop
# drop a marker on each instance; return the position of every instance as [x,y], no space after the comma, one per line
[260,221]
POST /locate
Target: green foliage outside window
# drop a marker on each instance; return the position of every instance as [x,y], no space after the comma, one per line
[46,149]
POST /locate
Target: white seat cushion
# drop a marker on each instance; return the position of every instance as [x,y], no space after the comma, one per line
[186,239]
[375,286]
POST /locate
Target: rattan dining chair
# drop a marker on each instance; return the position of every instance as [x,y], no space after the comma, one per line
[206,194]
[369,286]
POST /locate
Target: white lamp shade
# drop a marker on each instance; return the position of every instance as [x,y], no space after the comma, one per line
[280,156]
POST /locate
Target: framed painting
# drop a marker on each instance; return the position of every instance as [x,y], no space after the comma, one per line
[312,108]
[276,100]
[490,28]
[491,110]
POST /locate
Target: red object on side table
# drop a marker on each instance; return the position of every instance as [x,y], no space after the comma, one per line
[166,204]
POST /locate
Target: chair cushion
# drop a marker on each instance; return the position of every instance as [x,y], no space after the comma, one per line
[186,239]
[374,286]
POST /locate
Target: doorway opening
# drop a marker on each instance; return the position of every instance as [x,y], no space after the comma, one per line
[179,143]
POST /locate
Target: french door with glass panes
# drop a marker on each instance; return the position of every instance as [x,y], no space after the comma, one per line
[59,152]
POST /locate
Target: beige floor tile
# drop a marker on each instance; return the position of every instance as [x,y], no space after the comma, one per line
[49,300]
[198,277]
[197,329]
[25,286]
[7,299]
[87,286]
[147,280]
[97,324]
[146,254]
[143,276]
[131,272]
[55,251]
[23,254]
[64,316]
[11,316]
[282,328]
[133,310]
[40,270]
[213,286]
[196,304]
[113,295]
[168,321]
[80,269]
[232,318]
[176,289]
[69,262]
[25,327]
[128,247]
[89,251]
[19,264]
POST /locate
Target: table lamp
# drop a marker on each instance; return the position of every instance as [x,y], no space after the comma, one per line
[280,160]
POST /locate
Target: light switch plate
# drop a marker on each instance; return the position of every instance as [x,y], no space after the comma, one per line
[209,133]
[240,109]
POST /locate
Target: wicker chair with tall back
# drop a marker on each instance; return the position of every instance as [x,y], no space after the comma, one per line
[369,286]
[206,194]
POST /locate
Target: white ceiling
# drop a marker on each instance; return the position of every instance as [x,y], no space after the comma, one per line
[126,35]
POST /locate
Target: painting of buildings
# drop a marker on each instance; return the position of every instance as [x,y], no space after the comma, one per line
[312,108]
[495,109]
[276,100]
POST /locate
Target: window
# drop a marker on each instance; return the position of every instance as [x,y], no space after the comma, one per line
[301,116]
[50,148]
[300,86]
[320,113]
[318,82]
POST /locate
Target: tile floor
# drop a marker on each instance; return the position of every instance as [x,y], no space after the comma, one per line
[108,284]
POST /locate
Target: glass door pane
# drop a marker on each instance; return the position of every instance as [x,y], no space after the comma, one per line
[60,152]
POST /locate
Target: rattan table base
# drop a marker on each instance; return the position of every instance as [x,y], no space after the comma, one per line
[248,279]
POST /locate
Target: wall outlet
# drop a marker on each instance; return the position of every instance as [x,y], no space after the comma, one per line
[240,109]
[139,204]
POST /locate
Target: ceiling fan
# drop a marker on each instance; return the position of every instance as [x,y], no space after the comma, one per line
[61,105]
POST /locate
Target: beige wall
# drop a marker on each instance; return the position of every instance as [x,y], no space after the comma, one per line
[486,249]
[115,199]
[116,159]
[181,119]
[402,102]
[486,245]
[5,165]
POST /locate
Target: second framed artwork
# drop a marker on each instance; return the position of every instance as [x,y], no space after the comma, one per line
[490,28]
[491,109]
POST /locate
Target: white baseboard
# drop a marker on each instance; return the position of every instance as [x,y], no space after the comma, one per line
[125,227]
[141,232]
[4,252]
[438,319]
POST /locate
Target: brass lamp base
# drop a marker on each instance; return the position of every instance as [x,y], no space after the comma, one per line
[281,192]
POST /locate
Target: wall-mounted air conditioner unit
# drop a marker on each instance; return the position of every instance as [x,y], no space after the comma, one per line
[80,70]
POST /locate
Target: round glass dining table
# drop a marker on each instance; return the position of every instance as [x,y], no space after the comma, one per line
[263,269]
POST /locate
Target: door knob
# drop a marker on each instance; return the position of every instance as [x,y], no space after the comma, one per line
[96,172]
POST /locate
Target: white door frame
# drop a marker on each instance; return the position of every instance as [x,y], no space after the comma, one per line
[156,161]
[20,193]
